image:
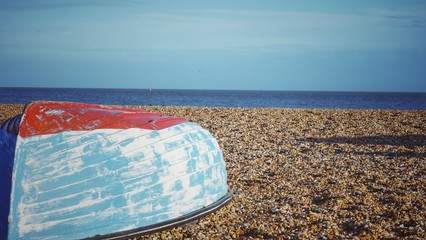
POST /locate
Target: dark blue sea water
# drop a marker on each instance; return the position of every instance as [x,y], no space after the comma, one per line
[221,98]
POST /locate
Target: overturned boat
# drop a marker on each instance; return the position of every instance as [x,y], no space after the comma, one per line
[74,170]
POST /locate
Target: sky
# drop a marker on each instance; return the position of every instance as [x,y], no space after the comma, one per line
[332,45]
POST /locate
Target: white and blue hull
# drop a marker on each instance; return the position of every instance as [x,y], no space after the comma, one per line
[110,182]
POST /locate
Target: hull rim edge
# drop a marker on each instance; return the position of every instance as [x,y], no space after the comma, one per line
[169,223]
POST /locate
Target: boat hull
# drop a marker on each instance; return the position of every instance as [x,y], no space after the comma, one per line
[107,182]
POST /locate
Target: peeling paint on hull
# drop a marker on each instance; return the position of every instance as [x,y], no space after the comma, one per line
[82,183]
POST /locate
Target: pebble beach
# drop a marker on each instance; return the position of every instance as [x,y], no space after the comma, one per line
[311,173]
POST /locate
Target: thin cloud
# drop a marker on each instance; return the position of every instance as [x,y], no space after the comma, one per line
[55,4]
[213,29]
[414,18]
[411,24]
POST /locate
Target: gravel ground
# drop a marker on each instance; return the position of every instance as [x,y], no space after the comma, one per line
[312,173]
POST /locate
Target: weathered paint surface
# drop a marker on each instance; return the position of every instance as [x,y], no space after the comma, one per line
[55,117]
[81,183]
[81,170]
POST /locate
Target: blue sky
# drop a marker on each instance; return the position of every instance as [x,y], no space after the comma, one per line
[333,45]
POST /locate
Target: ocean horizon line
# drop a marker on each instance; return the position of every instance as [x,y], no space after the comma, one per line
[217,90]
[220,98]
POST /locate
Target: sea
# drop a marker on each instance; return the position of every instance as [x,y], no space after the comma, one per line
[221,98]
